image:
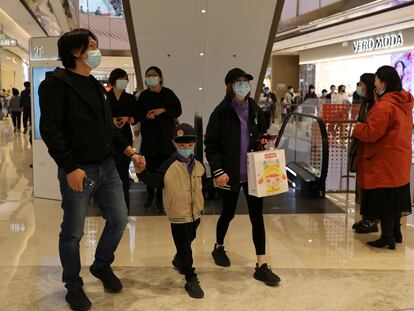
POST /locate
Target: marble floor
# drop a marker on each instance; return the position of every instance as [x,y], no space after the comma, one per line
[322,263]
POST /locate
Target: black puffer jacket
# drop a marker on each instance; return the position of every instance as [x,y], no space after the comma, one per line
[222,139]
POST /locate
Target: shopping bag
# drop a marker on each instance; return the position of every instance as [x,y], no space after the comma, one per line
[266,173]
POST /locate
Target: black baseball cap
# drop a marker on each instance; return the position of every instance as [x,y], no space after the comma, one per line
[184,133]
[236,73]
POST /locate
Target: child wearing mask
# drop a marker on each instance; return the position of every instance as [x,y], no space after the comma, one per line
[181,179]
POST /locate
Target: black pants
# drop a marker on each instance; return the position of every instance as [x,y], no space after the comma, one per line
[153,163]
[17,119]
[255,206]
[27,117]
[184,235]
[267,117]
[122,166]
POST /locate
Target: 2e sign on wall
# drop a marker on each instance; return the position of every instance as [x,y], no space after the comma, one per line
[382,42]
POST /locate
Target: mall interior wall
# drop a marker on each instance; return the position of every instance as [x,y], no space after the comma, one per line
[195,43]
[285,72]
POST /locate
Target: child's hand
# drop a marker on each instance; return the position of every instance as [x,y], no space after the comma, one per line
[139,163]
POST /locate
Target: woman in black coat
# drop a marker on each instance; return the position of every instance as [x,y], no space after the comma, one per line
[236,127]
[124,108]
[158,109]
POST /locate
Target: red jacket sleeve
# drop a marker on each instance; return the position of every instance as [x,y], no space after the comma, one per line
[375,125]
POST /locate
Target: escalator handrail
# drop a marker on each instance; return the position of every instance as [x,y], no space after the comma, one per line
[324,137]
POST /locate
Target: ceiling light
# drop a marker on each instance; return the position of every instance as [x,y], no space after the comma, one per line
[201,54]
[203,11]
[200,88]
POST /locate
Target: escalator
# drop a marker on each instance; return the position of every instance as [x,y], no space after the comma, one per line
[305,141]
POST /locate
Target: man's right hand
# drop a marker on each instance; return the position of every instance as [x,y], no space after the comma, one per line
[139,163]
[222,180]
[75,179]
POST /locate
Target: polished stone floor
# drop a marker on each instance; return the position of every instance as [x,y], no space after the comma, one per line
[322,263]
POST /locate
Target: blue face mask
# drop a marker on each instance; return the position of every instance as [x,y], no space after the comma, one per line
[241,88]
[94,58]
[152,81]
[121,84]
[185,152]
[360,92]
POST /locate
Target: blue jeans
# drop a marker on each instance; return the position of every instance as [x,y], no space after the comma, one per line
[108,192]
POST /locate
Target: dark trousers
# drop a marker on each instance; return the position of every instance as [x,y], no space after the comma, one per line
[107,191]
[255,206]
[184,235]
[17,119]
[267,117]
[153,163]
[122,163]
[27,117]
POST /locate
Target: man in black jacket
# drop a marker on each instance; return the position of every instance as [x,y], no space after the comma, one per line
[25,105]
[76,125]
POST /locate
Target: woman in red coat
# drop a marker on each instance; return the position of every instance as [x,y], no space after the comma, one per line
[384,157]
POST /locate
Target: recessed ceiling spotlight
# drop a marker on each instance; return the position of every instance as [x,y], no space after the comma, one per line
[203,11]
[200,88]
[201,54]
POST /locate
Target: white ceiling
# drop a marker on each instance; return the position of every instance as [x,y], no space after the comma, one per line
[389,21]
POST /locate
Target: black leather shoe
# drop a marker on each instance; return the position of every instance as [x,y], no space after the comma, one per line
[381,242]
[193,289]
[366,227]
[78,300]
[265,274]
[148,202]
[109,279]
[357,224]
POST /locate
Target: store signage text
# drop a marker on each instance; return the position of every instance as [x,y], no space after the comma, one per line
[382,42]
[8,42]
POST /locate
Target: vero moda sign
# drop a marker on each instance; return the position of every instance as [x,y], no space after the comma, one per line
[381,42]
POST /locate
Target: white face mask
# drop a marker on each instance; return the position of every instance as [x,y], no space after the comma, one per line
[94,58]
[360,92]
[241,88]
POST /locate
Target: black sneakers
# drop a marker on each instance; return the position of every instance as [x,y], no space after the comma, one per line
[177,265]
[193,289]
[265,274]
[109,279]
[220,257]
[78,300]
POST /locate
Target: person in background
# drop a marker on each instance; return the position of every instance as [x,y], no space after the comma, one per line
[341,97]
[235,127]
[158,109]
[267,102]
[356,98]
[332,93]
[324,93]
[25,105]
[365,89]
[76,126]
[287,100]
[124,111]
[98,11]
[384,158]
[15,110]
[181,171]
[311,94]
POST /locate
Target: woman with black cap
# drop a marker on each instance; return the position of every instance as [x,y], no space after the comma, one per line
[235,128]
[158,108]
